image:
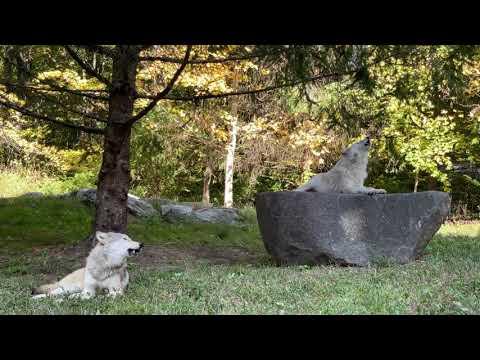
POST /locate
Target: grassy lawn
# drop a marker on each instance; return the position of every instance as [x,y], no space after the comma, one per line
[445,281]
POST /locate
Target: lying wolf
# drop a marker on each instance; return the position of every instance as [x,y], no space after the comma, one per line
[348,174]
[106,268]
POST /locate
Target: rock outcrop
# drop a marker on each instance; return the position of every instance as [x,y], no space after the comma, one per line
[354,229]
[136,206]
[175,213]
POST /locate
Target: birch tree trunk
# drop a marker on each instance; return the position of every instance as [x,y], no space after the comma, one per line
[415,187]
[229,162]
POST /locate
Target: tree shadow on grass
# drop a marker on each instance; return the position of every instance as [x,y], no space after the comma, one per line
[449,246]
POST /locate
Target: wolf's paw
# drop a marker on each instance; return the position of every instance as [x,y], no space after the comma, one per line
[39,296]
[114,293]
[86,295]
[376,191]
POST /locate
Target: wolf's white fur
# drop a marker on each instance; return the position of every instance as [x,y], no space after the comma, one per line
[106,268]
[348,174]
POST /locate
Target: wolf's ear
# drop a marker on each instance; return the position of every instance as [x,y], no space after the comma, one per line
[101,237]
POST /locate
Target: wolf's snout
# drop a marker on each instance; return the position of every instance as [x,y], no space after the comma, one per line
[135,251]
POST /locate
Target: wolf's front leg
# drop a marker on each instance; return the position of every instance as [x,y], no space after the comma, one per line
[114,292]
[89,287]
[305,187]
[370,191]
[39,296]
[115,284]
[87,293]
[124,280]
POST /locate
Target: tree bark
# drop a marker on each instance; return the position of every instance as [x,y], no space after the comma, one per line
[228,197]
[114,176]
[415,187]
[207,178]
[16,60]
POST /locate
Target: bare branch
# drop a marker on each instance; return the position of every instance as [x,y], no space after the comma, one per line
[200,61]
[85,93]
[165,91]
[250,91]
[143,47]
[257,54]
[8,104]
[57,88]
[261,90]
[69,109]
[89,70]
[99,49]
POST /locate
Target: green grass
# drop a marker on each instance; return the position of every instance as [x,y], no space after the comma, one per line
[27,223]
[18,181]
[445,281]
[156,231]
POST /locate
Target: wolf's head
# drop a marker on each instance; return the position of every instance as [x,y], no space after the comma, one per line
[358,152]
[117,245]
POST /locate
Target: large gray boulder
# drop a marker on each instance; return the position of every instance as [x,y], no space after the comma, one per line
[175,212]
[86,195]
[136,206]
[179,213]
[139,207]
[217,215]
[354,229]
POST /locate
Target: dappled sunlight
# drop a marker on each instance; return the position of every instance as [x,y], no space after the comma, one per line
[466,230]
[210,126]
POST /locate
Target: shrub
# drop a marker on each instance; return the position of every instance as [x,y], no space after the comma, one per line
[465,197]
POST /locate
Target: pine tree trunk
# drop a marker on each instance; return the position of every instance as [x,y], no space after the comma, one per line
[228,197]
[114,176]
[114,181]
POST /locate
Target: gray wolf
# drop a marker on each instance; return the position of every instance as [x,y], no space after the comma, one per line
[348,174]
[106,268]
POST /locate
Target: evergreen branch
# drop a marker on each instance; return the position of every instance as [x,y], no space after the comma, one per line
[88,69]
[165,91]
[8,104]
[249,91]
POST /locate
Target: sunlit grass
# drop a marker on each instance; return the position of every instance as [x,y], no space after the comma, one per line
[445,280]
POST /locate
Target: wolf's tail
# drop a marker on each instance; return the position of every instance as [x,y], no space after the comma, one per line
[44,289]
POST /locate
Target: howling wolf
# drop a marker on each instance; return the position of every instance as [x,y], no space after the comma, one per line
[348,174]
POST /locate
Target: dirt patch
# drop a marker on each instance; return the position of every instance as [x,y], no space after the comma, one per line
[54,262]
[158,256]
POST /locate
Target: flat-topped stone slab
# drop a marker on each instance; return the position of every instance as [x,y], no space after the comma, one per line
[177,213]
[300,228]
